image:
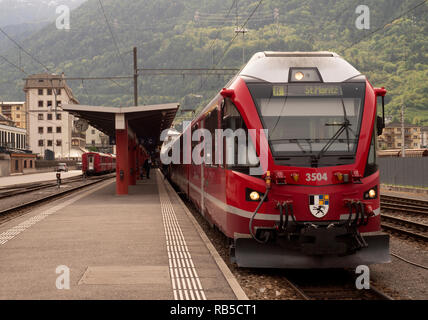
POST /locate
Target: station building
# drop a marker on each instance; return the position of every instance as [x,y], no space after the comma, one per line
[14,154]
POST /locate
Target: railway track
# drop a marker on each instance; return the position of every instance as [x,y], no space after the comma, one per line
[21,207]
[397,204]
[335,285]
[11,191]
[418,231]
[404,226]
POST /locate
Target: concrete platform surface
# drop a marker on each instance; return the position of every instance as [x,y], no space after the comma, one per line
[96,245]
[36,177]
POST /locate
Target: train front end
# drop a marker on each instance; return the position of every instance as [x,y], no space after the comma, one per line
[317,204]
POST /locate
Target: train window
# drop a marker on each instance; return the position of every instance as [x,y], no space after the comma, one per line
[238,154]
[197,140]
[211,124]
[371,166]
[311,125]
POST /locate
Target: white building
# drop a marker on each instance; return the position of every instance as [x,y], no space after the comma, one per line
[49,127]
[95,138]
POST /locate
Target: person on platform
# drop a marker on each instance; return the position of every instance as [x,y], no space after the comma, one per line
[147,166]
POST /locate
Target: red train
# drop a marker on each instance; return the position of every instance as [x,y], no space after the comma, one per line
[94,163]
[315,201]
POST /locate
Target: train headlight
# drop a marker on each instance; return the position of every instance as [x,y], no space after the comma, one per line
[304,75]
[371,194]
[255,196]
[299,76]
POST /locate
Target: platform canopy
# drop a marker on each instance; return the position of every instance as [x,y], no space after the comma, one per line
[147,122]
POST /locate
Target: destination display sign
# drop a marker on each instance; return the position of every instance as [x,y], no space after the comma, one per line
[307,90]
[315,90]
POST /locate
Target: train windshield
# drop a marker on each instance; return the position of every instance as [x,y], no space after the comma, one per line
[311,124]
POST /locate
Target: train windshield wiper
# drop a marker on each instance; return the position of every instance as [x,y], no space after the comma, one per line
[344,126]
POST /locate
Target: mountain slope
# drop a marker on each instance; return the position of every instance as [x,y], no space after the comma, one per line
[190,33]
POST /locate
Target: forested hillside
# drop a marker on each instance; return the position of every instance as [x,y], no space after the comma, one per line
[195,33]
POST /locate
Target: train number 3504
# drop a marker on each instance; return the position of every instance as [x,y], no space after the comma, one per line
[316,177]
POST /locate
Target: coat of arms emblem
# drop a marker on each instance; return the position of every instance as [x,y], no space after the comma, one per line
[319,204]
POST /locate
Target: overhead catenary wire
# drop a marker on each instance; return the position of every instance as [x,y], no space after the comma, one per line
[383,26]
[111,33]
[227,15]
[232,40]
[13,65]
[25,51]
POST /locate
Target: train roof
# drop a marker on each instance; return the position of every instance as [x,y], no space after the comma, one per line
[274,67]
[101,154]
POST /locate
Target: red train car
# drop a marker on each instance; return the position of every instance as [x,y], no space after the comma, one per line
[311,122]
[94,163]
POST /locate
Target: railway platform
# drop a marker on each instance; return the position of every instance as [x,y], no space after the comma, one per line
[97,245]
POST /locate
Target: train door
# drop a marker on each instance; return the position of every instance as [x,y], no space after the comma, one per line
[203,180]
[195,174]
[213,188]
[91,162]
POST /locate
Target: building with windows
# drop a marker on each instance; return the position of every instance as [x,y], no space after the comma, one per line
[50,129]
[12,137]
[16,112]
[14,156]
[98,140]
[392,138]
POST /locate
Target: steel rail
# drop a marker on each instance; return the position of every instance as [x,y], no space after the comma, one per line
[50,197]
[326,293]
[403,231]
[396,220]
[27,188]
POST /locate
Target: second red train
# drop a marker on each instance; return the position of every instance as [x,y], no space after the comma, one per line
[94,163]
